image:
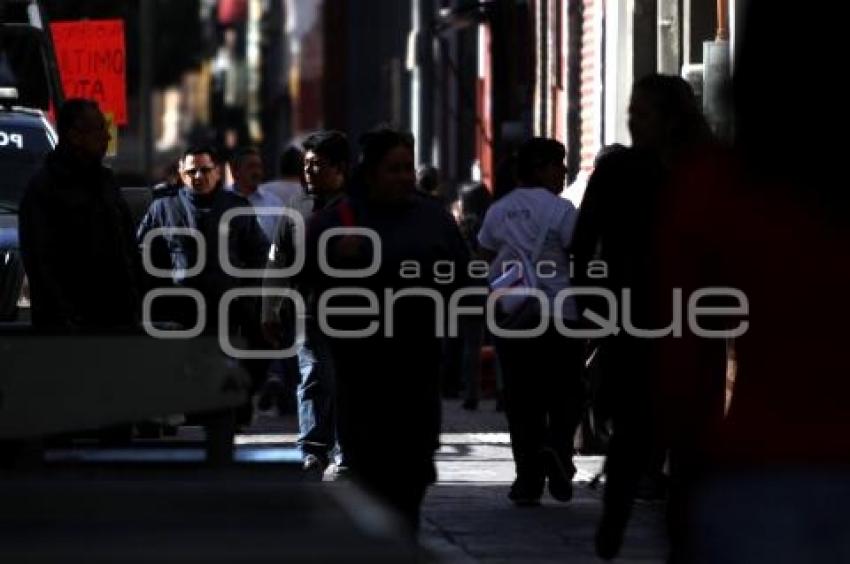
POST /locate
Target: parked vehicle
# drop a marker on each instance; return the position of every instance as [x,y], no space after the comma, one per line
[26,136]
[30,91]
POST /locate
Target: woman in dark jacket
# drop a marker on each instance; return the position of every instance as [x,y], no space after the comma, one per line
[388,378]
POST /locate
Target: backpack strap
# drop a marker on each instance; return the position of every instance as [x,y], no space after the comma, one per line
[554,213]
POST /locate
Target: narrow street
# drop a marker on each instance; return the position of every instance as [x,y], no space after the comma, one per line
[467,516]
[250,248]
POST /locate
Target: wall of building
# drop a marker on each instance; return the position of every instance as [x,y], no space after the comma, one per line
[378,87]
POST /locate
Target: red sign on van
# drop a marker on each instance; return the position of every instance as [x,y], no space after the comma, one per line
[92,63]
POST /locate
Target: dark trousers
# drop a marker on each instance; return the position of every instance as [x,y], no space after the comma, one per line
[626,372]
[388,416]
[543,398]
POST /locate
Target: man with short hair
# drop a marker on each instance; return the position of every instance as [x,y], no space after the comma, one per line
[326,161]
[200,205]
[246,165]
[291,169]
[76,232]
[542,376]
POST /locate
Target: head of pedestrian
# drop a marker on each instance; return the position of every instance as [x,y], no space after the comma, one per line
[83,130]
[326,161]
[386,172]
[428,180]
[290,165]
[664,116]
[199,169]
[540,164]
[246,165]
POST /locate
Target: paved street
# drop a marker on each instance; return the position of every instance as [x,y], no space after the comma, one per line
[467,517]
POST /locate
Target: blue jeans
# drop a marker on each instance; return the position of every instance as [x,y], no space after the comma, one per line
[316,410]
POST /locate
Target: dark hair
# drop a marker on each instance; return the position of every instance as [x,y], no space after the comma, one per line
[71,112]
[475,199]
[241,154]
[428,179]
[332,145]
[375,145]
[291,162]
[535,153]
[607,151]
[202,150]
[673,99]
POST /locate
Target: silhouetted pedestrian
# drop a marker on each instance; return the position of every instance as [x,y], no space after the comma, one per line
[76,232]
[533,225]
[326,166]
[387,381]
[768,482]
[619,216]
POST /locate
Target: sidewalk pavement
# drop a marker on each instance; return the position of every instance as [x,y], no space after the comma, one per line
[468,518]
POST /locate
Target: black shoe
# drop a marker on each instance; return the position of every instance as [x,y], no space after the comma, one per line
[340,473]
[560,480]
[526,493]
[470,404]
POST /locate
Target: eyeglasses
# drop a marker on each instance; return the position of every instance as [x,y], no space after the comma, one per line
[316,164]
[203,170]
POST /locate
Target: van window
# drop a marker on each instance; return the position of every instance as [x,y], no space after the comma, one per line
[25,54]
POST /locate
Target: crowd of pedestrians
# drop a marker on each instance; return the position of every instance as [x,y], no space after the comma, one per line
[380,261]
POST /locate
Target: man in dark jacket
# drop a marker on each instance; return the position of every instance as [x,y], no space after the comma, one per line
[200,206]
[76,232]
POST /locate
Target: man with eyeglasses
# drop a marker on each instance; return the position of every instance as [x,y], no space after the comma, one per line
[200,206]
[326,159]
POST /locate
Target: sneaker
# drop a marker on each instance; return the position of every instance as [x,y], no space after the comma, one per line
[340,473]
[560,480]
[314,467]
[524,493]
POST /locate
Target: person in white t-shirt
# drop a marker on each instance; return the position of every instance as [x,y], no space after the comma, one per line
[543,391]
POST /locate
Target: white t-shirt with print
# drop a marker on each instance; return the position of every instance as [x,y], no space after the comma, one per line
[515,221]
